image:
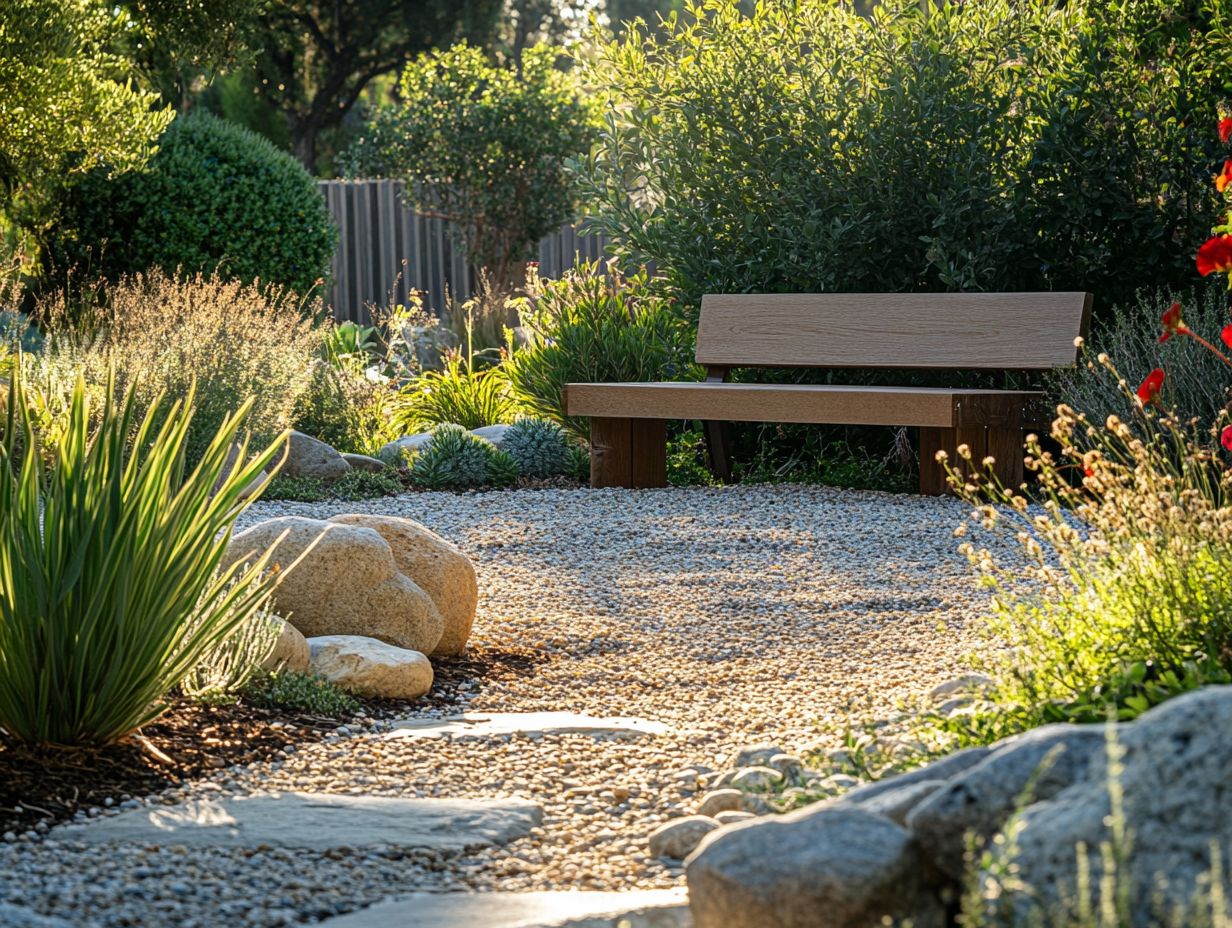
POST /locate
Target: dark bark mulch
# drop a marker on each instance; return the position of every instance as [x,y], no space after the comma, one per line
[191,741]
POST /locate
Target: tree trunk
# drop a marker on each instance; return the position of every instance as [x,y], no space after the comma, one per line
[304,142]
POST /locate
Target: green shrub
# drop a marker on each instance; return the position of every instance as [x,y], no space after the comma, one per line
[234,341]
[215,197]
[1130,333]
[110,592]
[595,327]
[460,394]
[297,489]
[1121,597]
[362,484]
[293,691]
[456,458]
[539,448]
[578,466]
[782,151]
[345,409]
[355,485]
[484,146]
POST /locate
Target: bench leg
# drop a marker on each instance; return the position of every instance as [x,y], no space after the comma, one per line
[628,453]
[1005,445]
[718,446]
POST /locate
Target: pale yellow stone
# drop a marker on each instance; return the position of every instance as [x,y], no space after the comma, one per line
[437,566]
[341,580]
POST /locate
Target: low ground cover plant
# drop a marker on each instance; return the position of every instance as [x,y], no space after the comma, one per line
[110,592]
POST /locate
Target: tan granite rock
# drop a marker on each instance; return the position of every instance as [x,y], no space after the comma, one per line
[345,583]
[437,566]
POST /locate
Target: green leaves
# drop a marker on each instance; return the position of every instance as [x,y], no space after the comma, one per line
[63,110]
[484,147]
[461,394]
[592,327]
[109,549]
[994,145]
[215,198]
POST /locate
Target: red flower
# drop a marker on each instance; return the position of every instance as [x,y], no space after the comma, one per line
[1225,437]
[1226,335]
[1172,321]
[1224,177]
[1225,129]
[1148,392]
[1215,255]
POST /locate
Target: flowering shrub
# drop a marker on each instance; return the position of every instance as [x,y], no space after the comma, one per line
[1121,597]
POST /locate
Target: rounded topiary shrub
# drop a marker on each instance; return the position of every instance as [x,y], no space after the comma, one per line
[214,197]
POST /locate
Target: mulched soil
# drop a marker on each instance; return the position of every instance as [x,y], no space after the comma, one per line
[40,788]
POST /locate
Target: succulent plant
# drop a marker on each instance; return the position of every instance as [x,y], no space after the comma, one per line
[457,458]
[540,448]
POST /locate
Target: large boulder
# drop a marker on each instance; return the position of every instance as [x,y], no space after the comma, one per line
[820,867]
[306,456]
[979,801]
[1174,787]
[439,568]
[341,580]
[371,668]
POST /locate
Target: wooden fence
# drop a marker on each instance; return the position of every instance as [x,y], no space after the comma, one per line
[386,250]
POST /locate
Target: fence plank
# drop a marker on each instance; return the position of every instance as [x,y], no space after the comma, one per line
[386,250]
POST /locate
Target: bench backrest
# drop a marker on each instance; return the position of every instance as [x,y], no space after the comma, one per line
[1004,331]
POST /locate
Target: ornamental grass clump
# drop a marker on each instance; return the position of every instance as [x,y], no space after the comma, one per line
[110,592]
[231,342]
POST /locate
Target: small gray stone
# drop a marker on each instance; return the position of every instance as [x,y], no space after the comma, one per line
[966,685]
[981,800]
[756,779]
[394,453]
[790,766]
[306,456]
[680,836]
[732,817]
[756,755]
[364,462]
[720,800]
[493,433]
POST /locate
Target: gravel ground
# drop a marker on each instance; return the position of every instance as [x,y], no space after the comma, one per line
[734,615]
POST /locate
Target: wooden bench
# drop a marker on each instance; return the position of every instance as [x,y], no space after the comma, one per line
[963,331]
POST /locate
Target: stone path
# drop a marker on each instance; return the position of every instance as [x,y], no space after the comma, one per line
[656,908]
[675,627]
[320,821]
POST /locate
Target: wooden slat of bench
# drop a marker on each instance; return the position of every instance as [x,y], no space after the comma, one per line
[1002,331]
[822,404]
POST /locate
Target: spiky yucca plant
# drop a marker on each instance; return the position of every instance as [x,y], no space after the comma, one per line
[110,592]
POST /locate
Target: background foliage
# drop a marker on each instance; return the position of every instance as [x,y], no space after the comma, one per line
[1066,146]
[215,197]
[62,110]
[484,146]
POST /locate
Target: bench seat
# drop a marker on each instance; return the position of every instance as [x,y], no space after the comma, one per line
[930,407]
